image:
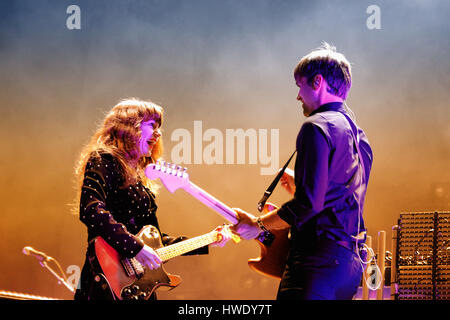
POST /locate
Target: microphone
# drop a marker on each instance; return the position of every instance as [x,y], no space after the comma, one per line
[29,251]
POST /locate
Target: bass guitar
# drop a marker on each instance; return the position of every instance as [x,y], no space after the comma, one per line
[274,246]
[126,278]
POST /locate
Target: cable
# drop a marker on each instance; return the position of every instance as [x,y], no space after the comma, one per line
[358,236]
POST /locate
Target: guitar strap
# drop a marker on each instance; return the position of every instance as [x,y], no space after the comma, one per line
[266,237]
[272,186]
[361,167]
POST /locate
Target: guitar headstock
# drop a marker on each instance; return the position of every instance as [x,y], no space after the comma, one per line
[172,176]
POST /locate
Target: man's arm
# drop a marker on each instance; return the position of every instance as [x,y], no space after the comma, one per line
[311,185]
[248,227]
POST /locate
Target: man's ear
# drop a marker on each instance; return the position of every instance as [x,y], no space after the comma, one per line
[317,81]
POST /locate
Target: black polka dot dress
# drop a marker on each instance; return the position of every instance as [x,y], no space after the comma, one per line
[116,213]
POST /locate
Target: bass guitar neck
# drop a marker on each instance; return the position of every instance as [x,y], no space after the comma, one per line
[210,201]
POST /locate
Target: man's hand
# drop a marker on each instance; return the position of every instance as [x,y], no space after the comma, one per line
[287,181]
[247,228]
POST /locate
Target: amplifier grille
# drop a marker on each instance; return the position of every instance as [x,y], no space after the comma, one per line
[423,260]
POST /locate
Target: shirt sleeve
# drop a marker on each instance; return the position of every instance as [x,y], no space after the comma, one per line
[311,176]
[99,180]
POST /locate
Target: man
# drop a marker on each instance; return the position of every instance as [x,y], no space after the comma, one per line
[332,169]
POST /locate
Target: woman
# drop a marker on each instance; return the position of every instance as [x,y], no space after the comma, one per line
[116,198]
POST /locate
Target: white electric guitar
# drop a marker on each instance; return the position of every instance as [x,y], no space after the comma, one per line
[274,247]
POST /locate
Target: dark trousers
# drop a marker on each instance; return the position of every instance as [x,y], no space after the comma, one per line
[326,271]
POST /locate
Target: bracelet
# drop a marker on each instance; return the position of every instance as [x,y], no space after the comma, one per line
[261,225]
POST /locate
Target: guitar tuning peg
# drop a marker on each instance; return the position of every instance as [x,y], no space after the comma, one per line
[163,166]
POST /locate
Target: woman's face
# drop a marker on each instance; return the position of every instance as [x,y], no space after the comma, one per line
[150,134]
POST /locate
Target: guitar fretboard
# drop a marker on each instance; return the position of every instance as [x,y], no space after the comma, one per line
[177,249]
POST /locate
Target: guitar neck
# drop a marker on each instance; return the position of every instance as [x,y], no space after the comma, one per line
[174,178]
[177,249]
[212,202]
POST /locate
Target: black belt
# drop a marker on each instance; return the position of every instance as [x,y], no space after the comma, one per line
[350,245]
[311,243]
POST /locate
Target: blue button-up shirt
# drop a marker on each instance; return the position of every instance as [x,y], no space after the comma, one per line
[330,180]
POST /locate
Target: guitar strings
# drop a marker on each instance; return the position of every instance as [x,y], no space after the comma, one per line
[177,249]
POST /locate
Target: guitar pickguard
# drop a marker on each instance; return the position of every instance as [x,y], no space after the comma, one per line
[144,287]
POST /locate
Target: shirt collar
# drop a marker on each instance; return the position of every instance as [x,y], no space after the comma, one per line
[331,106]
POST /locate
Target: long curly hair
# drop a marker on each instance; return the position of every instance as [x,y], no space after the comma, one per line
[119,136]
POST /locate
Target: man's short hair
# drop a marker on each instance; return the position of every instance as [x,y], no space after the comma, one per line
[332,65]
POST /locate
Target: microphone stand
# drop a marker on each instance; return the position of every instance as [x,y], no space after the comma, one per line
[63,280]
[44,264]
